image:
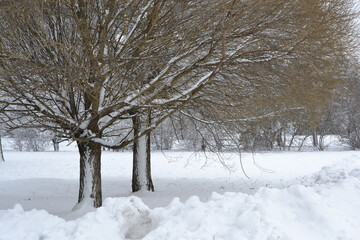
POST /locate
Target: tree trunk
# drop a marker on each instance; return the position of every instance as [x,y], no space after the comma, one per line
[293,135]
[203,145]
[2,159]
[302,142]
[149,185]
[157,140]
[56,142]
[141,178]
[279,140]
[315,139]
[321,143]
[90,174]
[56,147]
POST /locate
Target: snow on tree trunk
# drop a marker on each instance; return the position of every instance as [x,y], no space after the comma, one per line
[90,192]
[2,159]
[141,178]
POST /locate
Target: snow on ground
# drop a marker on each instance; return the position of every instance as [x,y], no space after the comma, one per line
[297,195]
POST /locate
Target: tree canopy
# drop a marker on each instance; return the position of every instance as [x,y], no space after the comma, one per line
[82,68]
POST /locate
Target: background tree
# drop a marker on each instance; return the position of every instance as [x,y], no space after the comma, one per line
[251,91]
[56,140]
[2,159]
[163,137]
[345,109]
[29,139]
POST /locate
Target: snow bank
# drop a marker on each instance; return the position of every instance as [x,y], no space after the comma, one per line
[116,220]
[18,224]
[346,168]
[297,212]
[327,207]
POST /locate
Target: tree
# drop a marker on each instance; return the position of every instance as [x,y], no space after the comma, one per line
[163,136]
[29,139]
[2,159]
[68,66]
[141,154]
[249,94]
[56,140]
[81,68]
[345,109]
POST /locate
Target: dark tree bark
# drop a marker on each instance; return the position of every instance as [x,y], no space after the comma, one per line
[141,178]
[315,139]
[279,140]
[2,159]
[90,173]
[56,142]
[150,185]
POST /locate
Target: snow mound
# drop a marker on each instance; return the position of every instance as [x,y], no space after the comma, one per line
[17,224]
[117,219]
[344,169]
[297,212]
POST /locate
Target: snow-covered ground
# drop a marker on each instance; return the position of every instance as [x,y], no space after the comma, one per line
[290,195]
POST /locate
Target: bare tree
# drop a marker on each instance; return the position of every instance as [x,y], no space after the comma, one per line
[30,139]
[79,67]
[345,109]
[56,140]
[300,83]
[163,136]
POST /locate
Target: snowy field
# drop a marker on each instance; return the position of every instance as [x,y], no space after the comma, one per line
[290,195]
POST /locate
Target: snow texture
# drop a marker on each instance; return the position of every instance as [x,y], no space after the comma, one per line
[308,196]
[297,212]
